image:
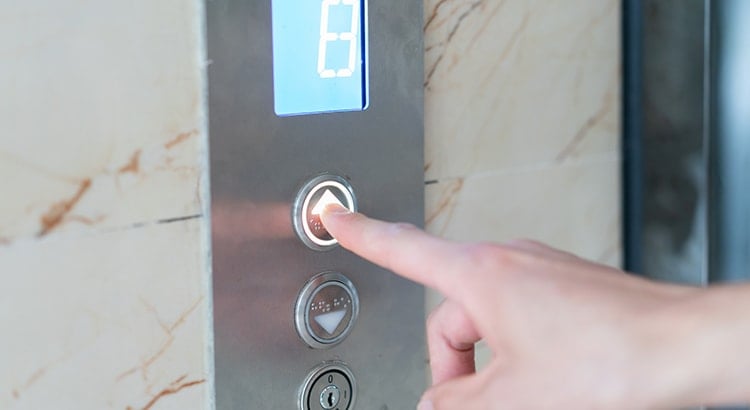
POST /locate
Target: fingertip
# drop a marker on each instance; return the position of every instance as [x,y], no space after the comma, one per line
[433,397]
[425,404]
[465,392]
[332,215]
[335,209]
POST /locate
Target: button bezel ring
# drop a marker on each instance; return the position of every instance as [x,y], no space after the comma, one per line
[301,308]
[321,369]
[302,203]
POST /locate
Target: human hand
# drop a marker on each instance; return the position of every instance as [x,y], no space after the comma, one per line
[564,332]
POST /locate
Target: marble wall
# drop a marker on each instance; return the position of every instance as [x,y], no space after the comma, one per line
[523,123]
[104,257]
[103,252]
[523,118]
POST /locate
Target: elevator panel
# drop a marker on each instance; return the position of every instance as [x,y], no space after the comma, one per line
[313,103]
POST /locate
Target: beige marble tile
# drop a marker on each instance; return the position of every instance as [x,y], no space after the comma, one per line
[104,302]
[575,207]
[102,127]
[109,320]
[517,82]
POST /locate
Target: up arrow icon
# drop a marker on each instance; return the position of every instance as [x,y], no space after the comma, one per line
[327,198]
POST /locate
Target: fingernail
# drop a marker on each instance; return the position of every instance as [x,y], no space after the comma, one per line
[425,405]
[336,209]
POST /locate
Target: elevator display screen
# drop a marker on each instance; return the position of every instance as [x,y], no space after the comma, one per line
[319,56]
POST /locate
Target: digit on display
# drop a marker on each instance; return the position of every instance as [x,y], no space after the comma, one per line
[327,36]
[319,56]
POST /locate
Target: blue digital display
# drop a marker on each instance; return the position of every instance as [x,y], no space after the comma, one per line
[319,53]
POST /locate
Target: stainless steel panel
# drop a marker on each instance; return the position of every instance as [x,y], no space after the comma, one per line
[258,163]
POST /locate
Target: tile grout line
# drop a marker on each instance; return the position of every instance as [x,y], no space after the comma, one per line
[103,231]
[535,167]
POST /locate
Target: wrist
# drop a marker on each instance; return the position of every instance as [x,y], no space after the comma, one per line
[720,349]
[693,347]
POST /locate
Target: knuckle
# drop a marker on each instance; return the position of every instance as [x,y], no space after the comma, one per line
[401,227]
[381,239]
[434,320]
[490,258]
[482,254]
[383,243]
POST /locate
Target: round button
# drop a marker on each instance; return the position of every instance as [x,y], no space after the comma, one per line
[326,310]
[331,385]
[311,200]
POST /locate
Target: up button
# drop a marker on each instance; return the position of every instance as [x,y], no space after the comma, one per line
[309,204]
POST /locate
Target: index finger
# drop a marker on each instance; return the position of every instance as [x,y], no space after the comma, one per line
[401,248]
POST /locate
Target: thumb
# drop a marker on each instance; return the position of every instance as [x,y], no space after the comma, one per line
[465,393]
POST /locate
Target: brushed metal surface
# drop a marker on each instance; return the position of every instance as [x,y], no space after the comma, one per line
[259,161]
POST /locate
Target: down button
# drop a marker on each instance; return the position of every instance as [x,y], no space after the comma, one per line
[326,309]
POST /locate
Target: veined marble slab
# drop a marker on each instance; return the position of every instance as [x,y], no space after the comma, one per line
[515,82]
[101,114]
[106,320]
[575,207]
[103,257]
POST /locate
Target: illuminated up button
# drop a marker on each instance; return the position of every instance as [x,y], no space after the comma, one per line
[309,204]
[326,310]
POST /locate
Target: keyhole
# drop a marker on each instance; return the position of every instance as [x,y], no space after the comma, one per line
[330,397]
